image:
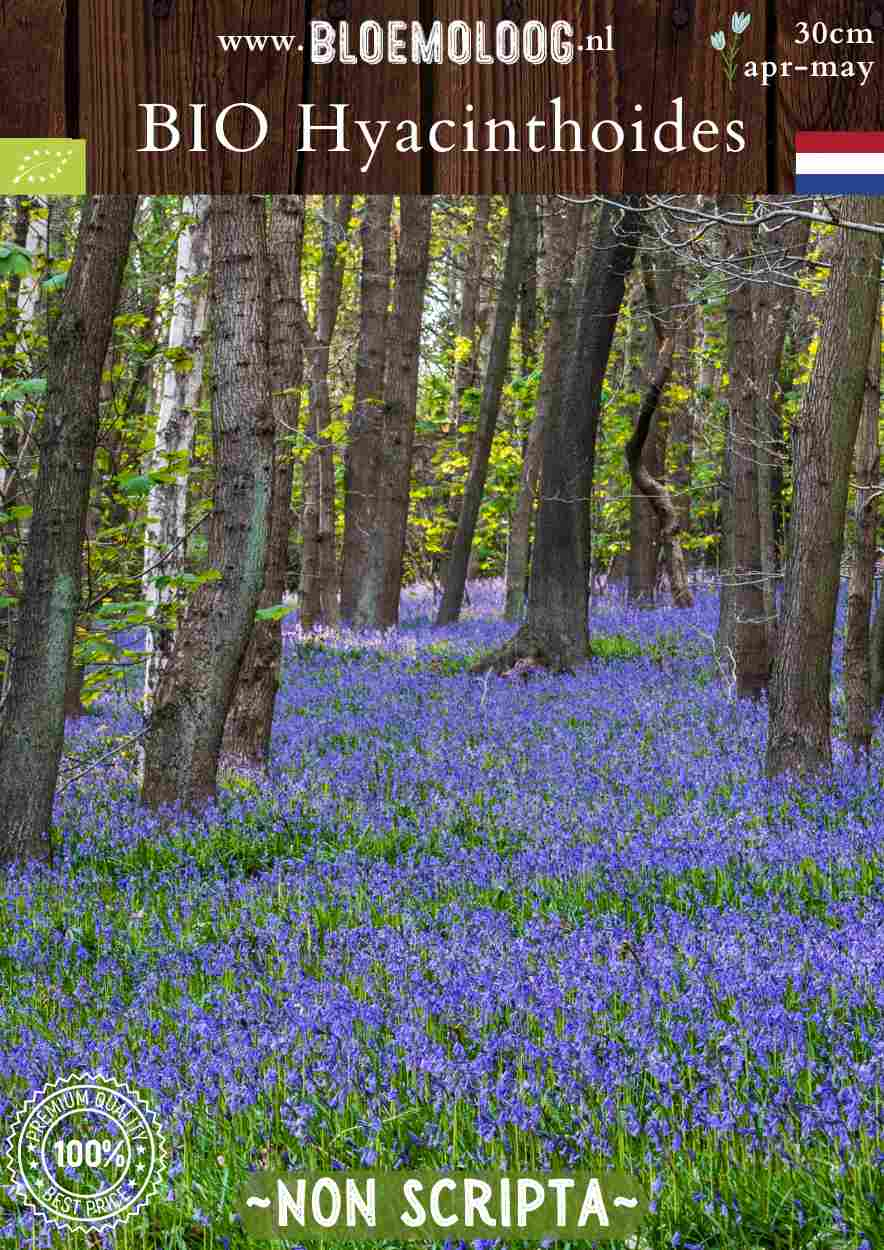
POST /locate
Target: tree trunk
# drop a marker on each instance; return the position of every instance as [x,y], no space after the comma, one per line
[782,254]
[176,421]
[367,424]
[681,422]
[644,524]
[652,490]
[799,737]
[556,632]
[877,656]
[528,295]
[517,253]
[73,691]
[377,604]
[857,663]
[197,686]
[318,599]
[32,720]
[562,226]
[250,719]
[748,631]
[467,370]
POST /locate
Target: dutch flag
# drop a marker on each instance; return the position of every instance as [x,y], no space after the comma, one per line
[839,162]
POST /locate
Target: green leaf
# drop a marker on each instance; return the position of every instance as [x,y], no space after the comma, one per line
[7,601]
[136,485]
[14,261]
[56,282]
[275,613]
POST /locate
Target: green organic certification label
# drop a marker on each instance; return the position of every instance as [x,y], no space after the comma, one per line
[424,1205]
[43,166]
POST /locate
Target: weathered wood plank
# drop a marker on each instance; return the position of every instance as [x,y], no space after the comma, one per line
[805,102]
[373,93]
[654,61]
[661,52]
[167,51]
[32,68]
[685,64]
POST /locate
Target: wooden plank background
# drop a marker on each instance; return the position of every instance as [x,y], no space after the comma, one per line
[82,67]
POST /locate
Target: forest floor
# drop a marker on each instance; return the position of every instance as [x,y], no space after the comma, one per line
[478,921]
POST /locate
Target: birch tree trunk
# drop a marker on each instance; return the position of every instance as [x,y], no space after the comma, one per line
[748,631]
[32,718]
[197,685]
[799,736]
[176,422]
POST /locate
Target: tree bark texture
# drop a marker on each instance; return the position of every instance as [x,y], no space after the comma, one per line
[781,255]
[556,632]
[32,720]
[857,659]
[318,598]
[377,604]
[198,684]
[176,422]
[517,253]
[562,226]
[250,719]
[749,630]
[367,423]
[799,737]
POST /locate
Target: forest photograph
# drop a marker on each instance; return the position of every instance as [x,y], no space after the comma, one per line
[441,676]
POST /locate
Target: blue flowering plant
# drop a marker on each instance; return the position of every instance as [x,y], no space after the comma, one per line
[462,923]
[739,24]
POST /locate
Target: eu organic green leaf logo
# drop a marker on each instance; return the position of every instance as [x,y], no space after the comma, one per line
[43,166]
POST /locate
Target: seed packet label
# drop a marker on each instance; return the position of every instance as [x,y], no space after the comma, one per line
[428,1205]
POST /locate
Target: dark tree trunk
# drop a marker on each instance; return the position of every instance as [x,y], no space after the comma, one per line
[857,661]
[877,656]
[654,491]
[319,575]
[250,719]
[799,737]
[32,721]
[748,631]
[517,253]
[377,603]
[73,691]
[782,256]
[681,421]
[562,226]
[367,424]
[466,374]
[659,287]
[197,687]
[556,632]
[528,294]
[644,525]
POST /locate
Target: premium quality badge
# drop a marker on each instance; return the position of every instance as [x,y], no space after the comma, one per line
[85,1152]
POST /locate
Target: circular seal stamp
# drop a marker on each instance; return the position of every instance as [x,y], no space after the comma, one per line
[86,1152]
